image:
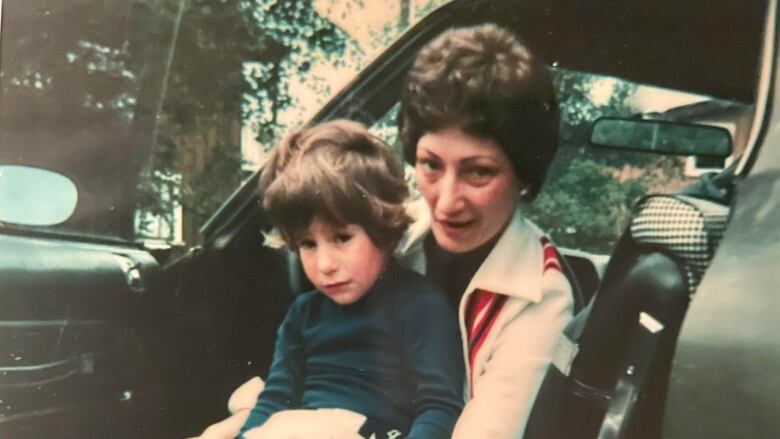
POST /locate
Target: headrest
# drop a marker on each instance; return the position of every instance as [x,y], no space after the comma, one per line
[688,228]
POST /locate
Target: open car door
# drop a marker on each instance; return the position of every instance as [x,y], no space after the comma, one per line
[81,82]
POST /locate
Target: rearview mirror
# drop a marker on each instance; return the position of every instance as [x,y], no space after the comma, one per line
[35,196]
[661,137]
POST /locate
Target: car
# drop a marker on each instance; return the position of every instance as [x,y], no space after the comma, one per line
[137,291]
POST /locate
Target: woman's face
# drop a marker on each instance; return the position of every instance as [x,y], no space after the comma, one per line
[470,186]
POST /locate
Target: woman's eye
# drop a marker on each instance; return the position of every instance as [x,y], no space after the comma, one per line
[479,174]
[482,171]
[428,165]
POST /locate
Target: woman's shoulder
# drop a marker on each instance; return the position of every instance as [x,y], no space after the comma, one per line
[552,261]
[528,225]
[525,265]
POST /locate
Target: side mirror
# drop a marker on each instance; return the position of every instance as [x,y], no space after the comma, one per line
[661,137]
[34,196]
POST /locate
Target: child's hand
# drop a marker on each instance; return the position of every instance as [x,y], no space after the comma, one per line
[310,424]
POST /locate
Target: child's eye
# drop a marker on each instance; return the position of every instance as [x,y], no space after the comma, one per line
[307,244]
[342,237]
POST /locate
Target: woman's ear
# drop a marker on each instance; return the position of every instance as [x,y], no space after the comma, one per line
[523,194]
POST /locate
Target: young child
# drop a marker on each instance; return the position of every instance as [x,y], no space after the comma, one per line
[377,343]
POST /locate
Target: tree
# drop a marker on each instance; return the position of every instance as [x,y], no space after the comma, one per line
[237,64]
[233,64]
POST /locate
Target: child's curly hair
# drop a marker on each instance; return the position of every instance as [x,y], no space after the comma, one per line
[340,172]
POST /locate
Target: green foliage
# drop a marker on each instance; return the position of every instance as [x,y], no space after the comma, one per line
[223,173]
[65,64]
[299,38]
[585,207]
[233,64]
[70,93]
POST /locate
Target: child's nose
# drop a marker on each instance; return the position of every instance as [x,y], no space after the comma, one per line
[326,261]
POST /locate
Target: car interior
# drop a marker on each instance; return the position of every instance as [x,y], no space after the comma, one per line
[625,337]
[182,334]
[611,374]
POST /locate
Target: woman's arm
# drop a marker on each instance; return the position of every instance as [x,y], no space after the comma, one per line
[504,393]
[434,352]
[282,389]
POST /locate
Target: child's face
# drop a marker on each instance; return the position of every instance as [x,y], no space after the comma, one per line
[342,262]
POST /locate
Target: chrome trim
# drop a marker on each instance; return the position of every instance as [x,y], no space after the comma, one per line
[590,393]
[36,367]
[766,77]
[70,367]
[48,323]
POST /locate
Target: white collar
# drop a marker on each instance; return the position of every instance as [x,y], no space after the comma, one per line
[514,267]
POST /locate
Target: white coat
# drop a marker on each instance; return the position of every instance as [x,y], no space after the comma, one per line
[527,302]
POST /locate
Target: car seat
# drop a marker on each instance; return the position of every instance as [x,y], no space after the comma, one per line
[610,371]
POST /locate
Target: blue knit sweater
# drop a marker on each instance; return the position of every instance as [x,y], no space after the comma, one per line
[393,356]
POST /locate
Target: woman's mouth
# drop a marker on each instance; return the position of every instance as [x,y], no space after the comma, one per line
[455,228]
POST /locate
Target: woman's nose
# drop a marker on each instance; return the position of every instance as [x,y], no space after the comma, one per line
[450,199]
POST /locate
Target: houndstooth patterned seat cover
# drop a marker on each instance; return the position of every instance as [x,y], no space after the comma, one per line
[688,228]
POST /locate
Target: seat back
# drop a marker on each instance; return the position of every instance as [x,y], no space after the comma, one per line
[575,282]
[610,372]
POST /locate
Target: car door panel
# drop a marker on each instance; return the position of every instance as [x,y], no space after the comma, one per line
[68,348]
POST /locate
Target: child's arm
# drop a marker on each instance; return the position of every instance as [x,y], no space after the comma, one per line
[282,389]
[434,352]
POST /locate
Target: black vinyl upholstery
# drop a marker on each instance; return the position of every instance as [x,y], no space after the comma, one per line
[575,282]
[609,375]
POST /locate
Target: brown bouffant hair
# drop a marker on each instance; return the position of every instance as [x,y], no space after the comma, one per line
[340,172]
[486,82]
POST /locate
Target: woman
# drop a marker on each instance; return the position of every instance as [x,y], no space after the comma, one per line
[479,122]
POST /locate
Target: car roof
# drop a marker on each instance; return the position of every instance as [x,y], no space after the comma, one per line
[704,47]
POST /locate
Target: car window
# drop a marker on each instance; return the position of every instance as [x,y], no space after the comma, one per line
[587,197]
